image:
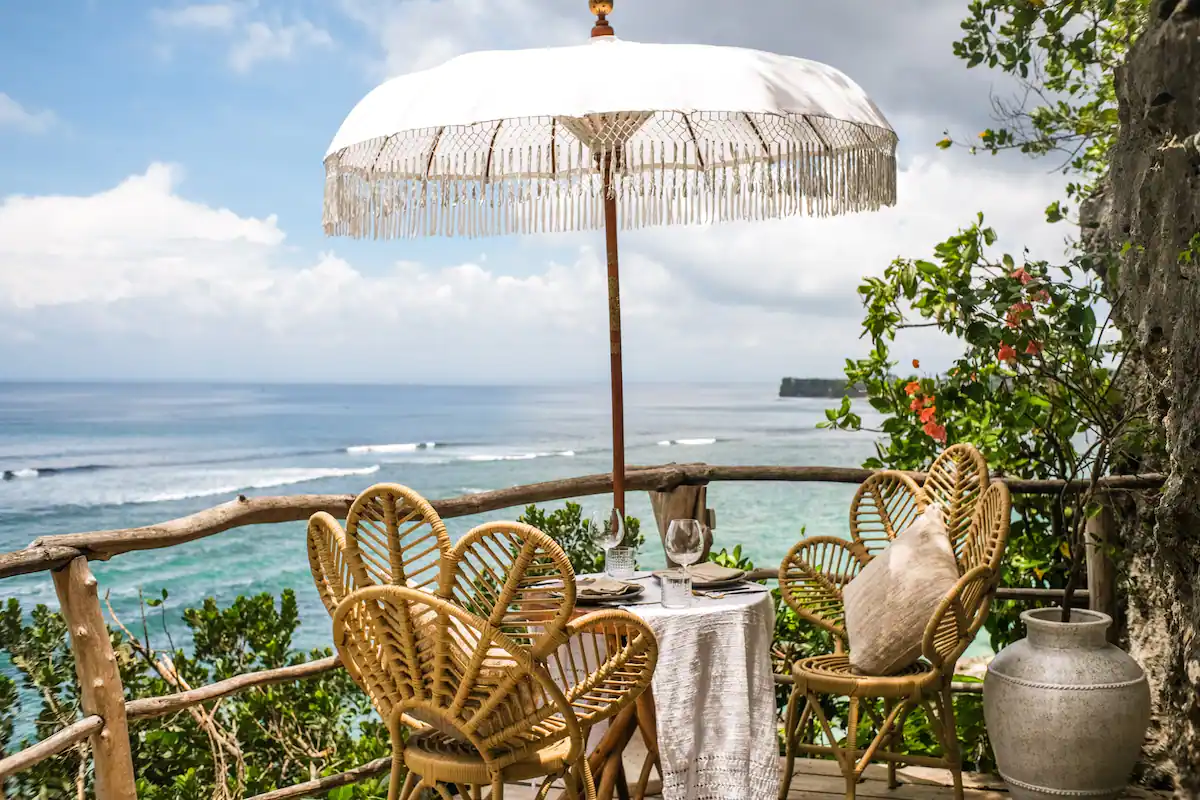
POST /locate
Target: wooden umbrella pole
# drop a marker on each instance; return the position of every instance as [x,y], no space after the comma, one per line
[614,340]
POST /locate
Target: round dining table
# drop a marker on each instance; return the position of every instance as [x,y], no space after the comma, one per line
[708,720]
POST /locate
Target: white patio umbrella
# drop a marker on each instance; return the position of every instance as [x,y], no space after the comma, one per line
[610,134]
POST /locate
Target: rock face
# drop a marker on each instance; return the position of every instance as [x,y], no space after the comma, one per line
[1152,201]
[818,387]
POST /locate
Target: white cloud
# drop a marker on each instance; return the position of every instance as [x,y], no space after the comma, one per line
[418,34]
[219,16]
[14,115]
[138,275]
[261,42]
[252,40]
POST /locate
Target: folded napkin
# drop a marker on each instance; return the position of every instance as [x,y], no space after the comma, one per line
[601,585]
[708,572]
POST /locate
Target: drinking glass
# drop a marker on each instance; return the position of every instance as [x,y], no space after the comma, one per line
[619,562]
[676,589]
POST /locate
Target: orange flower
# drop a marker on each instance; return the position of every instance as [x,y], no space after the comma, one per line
[1006,353]
[915,405]
[935,431]
[916,364]
[1040,296]
[1033,348]
[912,388]
[1020,274]
[927,414]
[930,401]
[1017,313]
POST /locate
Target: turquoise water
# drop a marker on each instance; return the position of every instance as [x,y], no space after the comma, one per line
[93,457]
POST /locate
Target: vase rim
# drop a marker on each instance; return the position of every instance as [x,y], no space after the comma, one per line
[1051,618]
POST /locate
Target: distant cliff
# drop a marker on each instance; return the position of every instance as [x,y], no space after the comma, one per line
[818,387]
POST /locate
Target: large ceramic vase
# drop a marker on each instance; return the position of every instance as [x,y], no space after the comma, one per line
[1065,710]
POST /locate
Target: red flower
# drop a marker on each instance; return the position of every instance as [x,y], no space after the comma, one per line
[916,364]
[912,388]
[1033,348]
[935,431]
[1006,353]
[927,414]
[1020,274]
[1040,296]
[1017,313]
[915,405]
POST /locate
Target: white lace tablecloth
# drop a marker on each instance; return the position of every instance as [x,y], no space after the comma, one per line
[715,698]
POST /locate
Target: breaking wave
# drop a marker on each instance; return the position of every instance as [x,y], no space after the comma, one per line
[262,479]
[43,472]
[407,447]
[686,442]
[482,457]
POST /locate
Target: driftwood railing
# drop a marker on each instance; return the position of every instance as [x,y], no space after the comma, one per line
[106,712]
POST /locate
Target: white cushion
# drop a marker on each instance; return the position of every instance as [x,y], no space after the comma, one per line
[891,601]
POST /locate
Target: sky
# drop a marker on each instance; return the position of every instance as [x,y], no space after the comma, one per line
[161,182]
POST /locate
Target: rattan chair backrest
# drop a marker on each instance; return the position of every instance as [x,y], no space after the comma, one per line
[425,656]
[955,481]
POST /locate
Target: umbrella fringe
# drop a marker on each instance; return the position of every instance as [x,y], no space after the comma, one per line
[489,179]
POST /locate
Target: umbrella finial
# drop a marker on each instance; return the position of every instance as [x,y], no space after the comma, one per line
[601,8]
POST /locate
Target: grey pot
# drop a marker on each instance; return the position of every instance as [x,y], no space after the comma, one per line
[1065,710]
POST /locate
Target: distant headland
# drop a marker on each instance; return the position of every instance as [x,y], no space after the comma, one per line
[819,387]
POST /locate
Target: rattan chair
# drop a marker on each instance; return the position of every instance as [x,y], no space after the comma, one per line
[483,674]
[812,578]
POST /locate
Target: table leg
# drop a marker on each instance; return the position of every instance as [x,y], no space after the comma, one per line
[648,725]
[606,758]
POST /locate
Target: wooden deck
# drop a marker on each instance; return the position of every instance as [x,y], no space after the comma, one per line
[817,779]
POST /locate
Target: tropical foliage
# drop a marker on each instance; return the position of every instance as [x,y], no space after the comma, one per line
[251,742]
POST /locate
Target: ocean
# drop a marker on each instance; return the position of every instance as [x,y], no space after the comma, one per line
[78,457]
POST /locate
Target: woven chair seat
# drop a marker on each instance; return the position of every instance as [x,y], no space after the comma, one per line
[435,756]
[832,674]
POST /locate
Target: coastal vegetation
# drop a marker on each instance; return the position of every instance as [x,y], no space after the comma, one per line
[240,746]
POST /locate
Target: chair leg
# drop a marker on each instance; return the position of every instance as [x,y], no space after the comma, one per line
[497,788]
[896,736]
[589,782]
[845,759]
[790,731]
[400,786]
[851,749]
[950,738]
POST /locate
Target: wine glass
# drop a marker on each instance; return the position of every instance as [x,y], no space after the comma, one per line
[608,531]
[685,542]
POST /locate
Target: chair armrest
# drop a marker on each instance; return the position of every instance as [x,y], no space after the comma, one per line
[605,663]
[813,574]
[958,618]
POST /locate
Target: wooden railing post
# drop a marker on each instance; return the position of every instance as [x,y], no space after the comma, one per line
[100,690]
[682,502]
[1101,570]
